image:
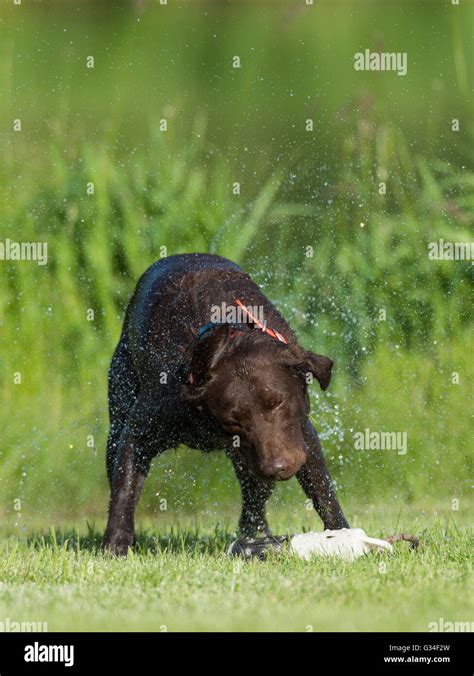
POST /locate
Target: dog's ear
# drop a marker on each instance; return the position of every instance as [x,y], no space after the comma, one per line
[205,353]
[319,366]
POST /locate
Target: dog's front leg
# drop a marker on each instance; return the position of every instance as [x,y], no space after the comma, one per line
[255,493]
[315,480]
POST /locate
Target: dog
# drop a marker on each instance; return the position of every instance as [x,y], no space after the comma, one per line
[177,377]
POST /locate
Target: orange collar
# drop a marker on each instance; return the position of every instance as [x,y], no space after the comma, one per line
[271,332]
[263,327]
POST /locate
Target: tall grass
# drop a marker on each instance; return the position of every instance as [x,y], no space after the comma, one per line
[392,374]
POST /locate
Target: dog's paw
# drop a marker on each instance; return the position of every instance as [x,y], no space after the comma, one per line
[117,544]
[258,548]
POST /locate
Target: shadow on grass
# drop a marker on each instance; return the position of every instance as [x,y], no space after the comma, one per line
[177,540]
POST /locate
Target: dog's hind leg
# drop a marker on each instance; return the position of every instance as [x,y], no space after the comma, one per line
[134,452]
[255,493]
[126,486]
[123,391]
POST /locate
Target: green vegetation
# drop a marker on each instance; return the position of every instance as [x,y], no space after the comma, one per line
[390,375]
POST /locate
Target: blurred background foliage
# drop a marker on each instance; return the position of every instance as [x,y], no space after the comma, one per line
[299,189]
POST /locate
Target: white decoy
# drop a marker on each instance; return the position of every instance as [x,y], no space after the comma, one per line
[347,543]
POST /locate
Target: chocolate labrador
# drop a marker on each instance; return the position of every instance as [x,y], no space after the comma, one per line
[206,360]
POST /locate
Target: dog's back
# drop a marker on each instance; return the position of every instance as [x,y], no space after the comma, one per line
[175,297]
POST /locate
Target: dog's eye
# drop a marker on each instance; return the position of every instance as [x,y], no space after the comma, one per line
[231,420]
[273,403]
[231,425]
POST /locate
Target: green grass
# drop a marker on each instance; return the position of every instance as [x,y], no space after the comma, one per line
[179,578]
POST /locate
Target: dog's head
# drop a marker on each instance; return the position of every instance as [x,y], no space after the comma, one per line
[256,388]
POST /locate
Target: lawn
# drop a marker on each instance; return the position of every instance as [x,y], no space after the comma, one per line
[179,578]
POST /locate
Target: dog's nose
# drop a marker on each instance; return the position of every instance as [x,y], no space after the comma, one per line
[277,469]
[280,467]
